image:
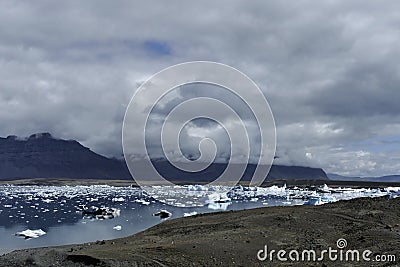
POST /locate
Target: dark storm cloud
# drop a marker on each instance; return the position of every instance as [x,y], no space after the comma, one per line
[364,90]
[197,129]
[328,68]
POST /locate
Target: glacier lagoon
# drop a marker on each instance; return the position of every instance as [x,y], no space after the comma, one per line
[38,216]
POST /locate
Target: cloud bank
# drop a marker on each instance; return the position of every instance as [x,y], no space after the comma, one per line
[328,69]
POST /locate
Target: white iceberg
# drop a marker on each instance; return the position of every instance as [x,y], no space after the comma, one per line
[218,198]
[28,234]
[188,214]
[118,199]
[197,188]
[325,189]
[219,206]
[319,200]
[142,201]
[117,227]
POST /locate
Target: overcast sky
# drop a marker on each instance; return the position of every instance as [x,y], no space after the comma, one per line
[329,69]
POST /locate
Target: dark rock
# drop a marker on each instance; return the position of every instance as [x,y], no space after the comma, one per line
[101,213]
[163,214]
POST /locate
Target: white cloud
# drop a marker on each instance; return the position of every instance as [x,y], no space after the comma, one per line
[330,72]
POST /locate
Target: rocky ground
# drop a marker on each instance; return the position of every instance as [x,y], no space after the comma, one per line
[234,238]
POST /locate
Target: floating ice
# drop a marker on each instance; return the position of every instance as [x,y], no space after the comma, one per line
[219,206]
[218,198]
[197,188]
[117,227]
[28,234]
[142,201]
[188,214]
[319,200]
[392,189]
[45,201]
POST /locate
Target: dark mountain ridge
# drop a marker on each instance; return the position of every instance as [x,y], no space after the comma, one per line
[216,169]
[43,156]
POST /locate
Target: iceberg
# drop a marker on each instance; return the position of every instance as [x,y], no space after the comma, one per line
[219,206]
[325,189]
[28,234]
[143,202]
[218,198]
[319,200]
[188,214]
[117,227]
[197,188]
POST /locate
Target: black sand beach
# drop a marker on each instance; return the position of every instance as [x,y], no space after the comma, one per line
[234,238]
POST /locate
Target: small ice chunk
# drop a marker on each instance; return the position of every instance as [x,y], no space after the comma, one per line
[197,188]
[187,214]
[117,227]
[142,201]
[28,234]
[218,198]
[219,206]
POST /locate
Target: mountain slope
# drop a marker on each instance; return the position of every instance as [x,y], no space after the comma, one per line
[216,169]
[42,156]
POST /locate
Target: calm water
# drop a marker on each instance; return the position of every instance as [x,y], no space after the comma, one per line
[57,211]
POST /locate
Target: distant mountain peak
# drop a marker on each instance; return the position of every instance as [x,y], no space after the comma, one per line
[12,137]
[40,136]
[42,156]
[31,137]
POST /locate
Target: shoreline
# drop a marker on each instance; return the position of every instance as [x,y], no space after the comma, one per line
[234,238]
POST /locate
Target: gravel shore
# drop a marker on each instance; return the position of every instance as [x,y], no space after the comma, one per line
[234,238]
